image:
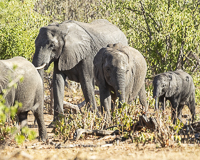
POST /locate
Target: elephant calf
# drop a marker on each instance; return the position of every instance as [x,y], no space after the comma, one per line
[120,72]
[178,88]
[29,92]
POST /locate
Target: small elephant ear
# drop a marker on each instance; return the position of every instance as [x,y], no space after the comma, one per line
[98,65]
[4,78]
[76,42]
[172,85]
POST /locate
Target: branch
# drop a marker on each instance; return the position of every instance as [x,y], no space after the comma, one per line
[75,108]
[144,13]
[79,132]
[59,146]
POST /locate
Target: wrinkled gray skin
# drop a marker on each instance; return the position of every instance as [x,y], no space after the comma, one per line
[29,92]
[178,88]
[72,45]
[120,71]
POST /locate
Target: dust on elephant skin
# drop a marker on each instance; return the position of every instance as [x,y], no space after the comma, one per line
[29,92]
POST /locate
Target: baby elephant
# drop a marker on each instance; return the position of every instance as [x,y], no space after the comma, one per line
[120,71]
[29,92]
[178,88]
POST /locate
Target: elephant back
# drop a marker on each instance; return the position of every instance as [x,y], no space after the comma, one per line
[86,39]
[16,69]
[186,81]
[27,70]
[103,33]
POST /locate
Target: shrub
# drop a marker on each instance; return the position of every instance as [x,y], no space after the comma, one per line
[166,32]
[19,26]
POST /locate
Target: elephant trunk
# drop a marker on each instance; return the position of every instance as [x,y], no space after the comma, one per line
[121,88]
[38,62]
[156,96]
[156,105]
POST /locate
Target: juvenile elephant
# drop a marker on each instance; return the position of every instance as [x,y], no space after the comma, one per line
[72,45]
[178,88]
[120,72]
[29,92]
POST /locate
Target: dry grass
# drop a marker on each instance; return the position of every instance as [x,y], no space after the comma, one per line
[125,150]
[118,150]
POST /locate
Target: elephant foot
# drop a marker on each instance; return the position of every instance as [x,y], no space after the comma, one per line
[44,138]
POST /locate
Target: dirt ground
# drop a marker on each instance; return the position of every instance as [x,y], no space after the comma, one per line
[122,150]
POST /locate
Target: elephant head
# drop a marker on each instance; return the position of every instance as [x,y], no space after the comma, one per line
[165,84]
[111,67]
[62,43]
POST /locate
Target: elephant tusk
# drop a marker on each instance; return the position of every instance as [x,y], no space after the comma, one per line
[41,67]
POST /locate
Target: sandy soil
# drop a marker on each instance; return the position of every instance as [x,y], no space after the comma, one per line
[122,150]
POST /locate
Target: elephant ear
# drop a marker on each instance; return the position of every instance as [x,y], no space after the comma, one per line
[76,46]
[130,53]
[4,78]
[98,66]
[172,85]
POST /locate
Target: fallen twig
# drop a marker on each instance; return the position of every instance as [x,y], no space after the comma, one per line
[79,132]
[59,146]
[75,108]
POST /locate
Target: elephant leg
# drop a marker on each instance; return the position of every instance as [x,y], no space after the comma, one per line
[191,106]
[175,104]
[38,113]
[113,103]
[173,117]
[162,101]
[179,112]
[105,100]
[86,78]
[58,92]
[143,98]
[88,92]
[22,116]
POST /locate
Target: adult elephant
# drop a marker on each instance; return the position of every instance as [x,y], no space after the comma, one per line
[29,92]
[120,71]
[178,88]
[72,45]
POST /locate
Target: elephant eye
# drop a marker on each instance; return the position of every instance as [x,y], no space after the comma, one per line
[108,69]
[51,45]
[163,85]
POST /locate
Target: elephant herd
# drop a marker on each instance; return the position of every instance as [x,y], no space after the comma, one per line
[95,53]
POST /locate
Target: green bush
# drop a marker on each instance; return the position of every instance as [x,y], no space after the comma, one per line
[61,10]
[19,26]
[166,32]
[8,130]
